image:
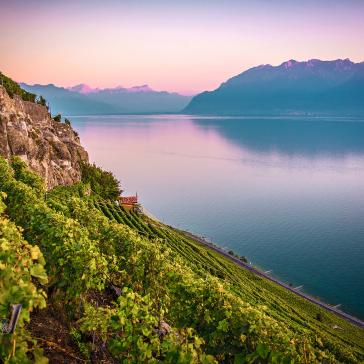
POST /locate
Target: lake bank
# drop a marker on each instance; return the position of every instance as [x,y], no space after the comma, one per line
[349,318]
[286,193]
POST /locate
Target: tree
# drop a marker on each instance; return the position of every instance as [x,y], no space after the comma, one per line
[42,101]
[67,121]
[101,182]
[57,118]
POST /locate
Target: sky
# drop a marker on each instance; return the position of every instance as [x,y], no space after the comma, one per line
[183,46]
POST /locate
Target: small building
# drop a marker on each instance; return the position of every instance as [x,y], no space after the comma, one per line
[128,202]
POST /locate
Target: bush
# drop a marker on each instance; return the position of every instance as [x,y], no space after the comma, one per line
[22,173]
[21,273]
[57,118]
[101,182]
[41,101]
[320,316]
[130,329]
[67,121]
[73,261]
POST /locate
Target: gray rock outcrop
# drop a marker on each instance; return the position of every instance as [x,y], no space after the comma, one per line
[51,149]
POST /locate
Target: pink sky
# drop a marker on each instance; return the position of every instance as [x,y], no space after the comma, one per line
[188,48]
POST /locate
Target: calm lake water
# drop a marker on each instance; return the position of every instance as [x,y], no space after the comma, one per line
[288,193]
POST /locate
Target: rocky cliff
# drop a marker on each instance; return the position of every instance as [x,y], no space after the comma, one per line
[50,148]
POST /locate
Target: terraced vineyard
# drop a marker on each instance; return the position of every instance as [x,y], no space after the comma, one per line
[111,280]
[281,304]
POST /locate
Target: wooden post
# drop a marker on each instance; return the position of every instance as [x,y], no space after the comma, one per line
[9,328]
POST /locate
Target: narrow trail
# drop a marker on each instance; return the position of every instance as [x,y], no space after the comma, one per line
[327,307]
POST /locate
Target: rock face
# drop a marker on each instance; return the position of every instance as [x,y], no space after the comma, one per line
[50,148]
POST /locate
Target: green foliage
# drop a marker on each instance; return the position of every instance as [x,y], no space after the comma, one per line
[102,183]
[21,272]
[73,261]
[67,121]
[22,173]
[320,316]
[12,88]
[57,118]
[217,312]
[131,330]
[41,101]
[279,304]
[78,340]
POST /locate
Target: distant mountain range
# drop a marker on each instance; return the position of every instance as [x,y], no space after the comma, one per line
[315,86]
[84,100]
[86,89]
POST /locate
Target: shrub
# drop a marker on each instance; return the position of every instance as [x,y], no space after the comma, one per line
[320,316]
[22,173]
[57,118]
[21,273]
[101,182]
[130,329]
[73,261]
[41,101]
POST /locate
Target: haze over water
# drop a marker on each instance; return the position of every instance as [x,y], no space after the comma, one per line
[288,193]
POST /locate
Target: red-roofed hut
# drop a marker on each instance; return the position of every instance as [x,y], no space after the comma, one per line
[128,202]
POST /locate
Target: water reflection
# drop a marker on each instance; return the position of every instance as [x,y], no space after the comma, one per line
[305,136]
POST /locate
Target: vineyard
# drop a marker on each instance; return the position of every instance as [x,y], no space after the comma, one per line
[283,304]
[123,287]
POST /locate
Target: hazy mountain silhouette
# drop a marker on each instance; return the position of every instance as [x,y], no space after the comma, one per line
[84,100]
[315,86]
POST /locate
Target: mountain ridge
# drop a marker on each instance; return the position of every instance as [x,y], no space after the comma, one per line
[312,86]
[82,99]
[83,88]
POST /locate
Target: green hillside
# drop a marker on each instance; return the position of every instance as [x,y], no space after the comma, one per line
[100,284]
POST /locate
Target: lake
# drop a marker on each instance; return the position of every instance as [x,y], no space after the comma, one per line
[288,193]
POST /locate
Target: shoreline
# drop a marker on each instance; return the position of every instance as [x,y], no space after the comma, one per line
[352,319]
